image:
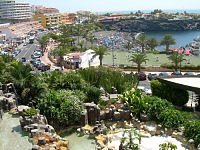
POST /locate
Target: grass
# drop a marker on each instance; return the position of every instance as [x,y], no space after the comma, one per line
[154,60]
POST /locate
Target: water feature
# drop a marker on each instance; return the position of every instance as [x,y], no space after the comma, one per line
[182,37]
[80,143]
[11,135]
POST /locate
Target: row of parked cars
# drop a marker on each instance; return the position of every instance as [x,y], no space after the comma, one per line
[36,62]
[151,76]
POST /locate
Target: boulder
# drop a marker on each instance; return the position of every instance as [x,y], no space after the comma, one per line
[117,116]
[41,141]
[35,147]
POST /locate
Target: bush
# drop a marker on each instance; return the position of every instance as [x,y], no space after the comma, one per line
[171,118]
[192,131]
[176,96]
[108,78]
[92,94]
[155,106]
[62,107]
[30,112]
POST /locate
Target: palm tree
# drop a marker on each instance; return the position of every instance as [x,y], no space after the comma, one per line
[167,41]
[43,41]
[100,51]
[138,58]
[128,45]
[141,40]
[176,59]
[152,43]
[60,52]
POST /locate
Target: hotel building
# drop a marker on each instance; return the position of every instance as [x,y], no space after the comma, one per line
[11,10]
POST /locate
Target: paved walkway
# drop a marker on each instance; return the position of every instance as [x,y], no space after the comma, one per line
[11,137]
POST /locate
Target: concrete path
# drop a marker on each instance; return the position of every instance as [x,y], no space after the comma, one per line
[11,137]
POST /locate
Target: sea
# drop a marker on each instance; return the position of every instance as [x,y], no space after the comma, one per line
[197,11]
[182,38]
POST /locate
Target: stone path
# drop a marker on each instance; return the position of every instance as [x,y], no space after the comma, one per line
[11,137]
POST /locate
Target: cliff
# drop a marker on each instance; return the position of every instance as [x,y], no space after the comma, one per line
[138,25]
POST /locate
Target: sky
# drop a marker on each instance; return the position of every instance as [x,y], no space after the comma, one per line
[116,5]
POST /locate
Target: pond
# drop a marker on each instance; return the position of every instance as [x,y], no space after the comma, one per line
[77,142]
[11,135]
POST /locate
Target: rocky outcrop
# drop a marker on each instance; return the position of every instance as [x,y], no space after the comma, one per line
[142,25]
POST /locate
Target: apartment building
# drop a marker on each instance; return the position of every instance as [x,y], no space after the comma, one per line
[45,10]
[12,10]
[47,20]
[67,18]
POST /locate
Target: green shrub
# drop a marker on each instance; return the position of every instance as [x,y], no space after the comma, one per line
[192,131]
[155,106]
[92,94]
[62,107]
[176,96]
[30,112]
[108,78]
[171,118]
[167,146]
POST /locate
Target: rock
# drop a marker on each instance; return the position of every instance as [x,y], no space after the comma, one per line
[191,141]
[144,133]
[124,114]
[35,147]
[93,112]
[41,141]
[117,116]
[22,108]
[34,132]
[143,117]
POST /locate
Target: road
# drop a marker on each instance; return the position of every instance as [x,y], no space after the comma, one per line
[26,51]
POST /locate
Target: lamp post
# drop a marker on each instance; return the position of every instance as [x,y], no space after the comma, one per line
[113,58]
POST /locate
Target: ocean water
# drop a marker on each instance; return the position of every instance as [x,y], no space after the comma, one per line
[197,11]
[182,37]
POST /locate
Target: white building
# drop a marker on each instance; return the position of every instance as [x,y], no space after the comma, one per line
[81,60]
[9,9]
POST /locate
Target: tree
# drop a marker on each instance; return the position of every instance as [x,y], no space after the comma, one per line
[176,59]
[60,52]
[43,41]
[141,40]
[152,43]
[100,51]
[138,58]
[128,45]
[167,41]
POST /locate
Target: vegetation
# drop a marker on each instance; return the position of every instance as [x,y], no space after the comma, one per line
[192,131]
[152,43]
[108,78]
[129,143]
[30,112]
[167,146]
[62,107]
[155,108]
[100,51]
[167,41]
[141,40]
[176,59]
[138,58]
[176,96]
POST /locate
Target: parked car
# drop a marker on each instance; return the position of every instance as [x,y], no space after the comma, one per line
[188,74]
[23,59]
[141,76]
[176,73]
[152,76]
[163,74]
